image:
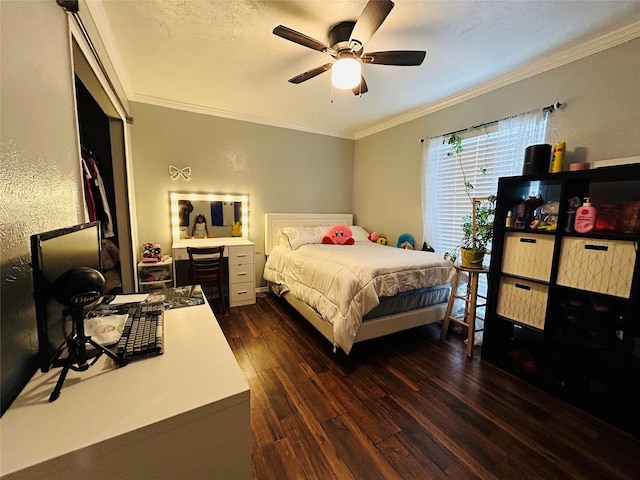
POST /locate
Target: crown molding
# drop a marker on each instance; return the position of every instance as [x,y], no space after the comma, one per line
[216,112]
[531,69]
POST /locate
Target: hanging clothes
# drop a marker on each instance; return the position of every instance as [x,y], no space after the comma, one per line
[99,195]
[88,193]
[185,208]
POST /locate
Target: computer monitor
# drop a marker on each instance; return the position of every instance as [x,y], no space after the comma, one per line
[52,254]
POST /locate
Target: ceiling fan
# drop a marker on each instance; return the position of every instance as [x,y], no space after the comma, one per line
[347,40]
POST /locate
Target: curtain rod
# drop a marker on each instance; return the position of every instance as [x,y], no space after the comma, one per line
[550,108]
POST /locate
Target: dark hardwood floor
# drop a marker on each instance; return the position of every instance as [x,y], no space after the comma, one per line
[405,407]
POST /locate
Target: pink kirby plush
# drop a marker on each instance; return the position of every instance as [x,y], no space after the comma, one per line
[339,235]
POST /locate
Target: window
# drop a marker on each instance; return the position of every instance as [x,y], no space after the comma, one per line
[486,156]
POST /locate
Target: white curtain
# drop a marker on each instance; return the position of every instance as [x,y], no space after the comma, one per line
[498,151]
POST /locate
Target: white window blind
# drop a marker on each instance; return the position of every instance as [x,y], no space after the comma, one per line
[498,151]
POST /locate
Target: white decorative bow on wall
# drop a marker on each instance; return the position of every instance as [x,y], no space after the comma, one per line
[176,172]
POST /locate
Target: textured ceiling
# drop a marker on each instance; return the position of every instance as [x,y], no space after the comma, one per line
[220,56]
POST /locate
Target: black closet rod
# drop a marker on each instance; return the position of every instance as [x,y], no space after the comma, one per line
[549,109]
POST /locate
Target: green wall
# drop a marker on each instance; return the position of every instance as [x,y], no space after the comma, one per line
[281,170]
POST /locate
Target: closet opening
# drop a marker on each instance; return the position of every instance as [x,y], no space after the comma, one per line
[104,174]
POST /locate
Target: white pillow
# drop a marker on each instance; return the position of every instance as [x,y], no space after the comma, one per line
[359,234]
[298,236]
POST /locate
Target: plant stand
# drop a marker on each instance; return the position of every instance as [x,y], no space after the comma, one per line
[469,317]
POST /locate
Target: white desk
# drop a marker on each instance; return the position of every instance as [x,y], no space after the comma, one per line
[183,414]
[241,274]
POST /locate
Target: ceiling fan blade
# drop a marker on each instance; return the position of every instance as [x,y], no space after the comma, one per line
[360,89]
[368,23]
[396,57]
[303,77]
[299,38]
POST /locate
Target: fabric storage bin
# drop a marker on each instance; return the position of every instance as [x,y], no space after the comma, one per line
[528,255]
[523,301]
[596,265]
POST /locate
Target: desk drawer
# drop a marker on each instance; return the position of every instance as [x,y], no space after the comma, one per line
[596,265]
[523,301]
[240,273]
[240,254]
[528,255]
[242,294]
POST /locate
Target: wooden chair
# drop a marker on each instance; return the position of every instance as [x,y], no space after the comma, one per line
[207,270]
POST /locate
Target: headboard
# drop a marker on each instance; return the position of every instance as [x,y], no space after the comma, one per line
[274,222]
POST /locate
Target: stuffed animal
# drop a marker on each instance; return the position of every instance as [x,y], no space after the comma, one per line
[147,250]
[338,235]
[406,241]
[377,238]
[236,230]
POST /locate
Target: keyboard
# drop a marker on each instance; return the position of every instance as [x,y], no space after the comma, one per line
[143,332]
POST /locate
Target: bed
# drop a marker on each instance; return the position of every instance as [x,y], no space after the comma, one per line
[352,293]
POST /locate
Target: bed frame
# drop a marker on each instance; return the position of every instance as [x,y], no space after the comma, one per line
[373,328]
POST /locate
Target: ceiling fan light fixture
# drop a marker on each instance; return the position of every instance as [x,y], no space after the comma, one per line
[346,73]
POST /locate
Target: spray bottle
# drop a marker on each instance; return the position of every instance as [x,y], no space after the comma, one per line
[558,157]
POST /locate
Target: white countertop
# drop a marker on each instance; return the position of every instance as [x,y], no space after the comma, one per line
[197,375]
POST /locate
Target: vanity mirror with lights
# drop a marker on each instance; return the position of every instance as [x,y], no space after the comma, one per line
[213,220]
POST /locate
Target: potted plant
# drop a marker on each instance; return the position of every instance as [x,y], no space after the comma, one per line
[477,235]
[477,227]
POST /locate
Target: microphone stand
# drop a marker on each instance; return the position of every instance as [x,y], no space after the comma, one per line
[76,345]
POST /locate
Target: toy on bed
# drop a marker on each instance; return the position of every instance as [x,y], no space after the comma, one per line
[406,241]
[339,235]
[377,238]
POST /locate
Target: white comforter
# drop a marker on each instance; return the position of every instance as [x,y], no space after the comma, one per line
[343,282]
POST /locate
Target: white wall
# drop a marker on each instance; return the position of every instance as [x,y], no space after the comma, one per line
[601,120]
[281,170]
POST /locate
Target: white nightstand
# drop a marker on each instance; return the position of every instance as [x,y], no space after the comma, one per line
[154,276]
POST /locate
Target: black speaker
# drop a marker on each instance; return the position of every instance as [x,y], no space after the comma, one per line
[537,159]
